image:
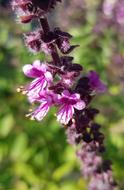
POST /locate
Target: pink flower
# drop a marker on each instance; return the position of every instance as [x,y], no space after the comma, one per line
[47,99]
[25,10]
[102,181]
[119,12]
[46,48]
[69,78]
[69,102]
[33,41]
[20,4]
[42,78]
[72,135]
[65,45]
[43,6]
[96,84]
[108,7]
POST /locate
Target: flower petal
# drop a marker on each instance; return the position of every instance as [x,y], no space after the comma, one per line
[48,76]
[75,96]
[95,82]
[65,114]
[31,71]
[41,112]
[37,64]
[66,93]
[80,105]
[27,69]
[35,88]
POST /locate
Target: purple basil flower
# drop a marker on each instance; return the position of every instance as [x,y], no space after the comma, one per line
[33,41]
[42,78]
[69,102]
[102,181]
[72,135]
[114,13]
[96,84]
[65,45]
[119,12]
[24,9]
[63,41]
[54,84]
[90,160]
[69,78]
[108,7]
[46,48]
[47,99]
[27,10]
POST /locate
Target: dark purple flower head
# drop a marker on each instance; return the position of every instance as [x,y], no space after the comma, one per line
[29,9]
[45,5]
[83,86]
[24,9]
[84,89]
[68,65]
[66,60]
[63,42]
[25,5]
[33,41]
[95,83]
[91,112]
[58,88]
[64,45]
[69,78]
[69,72]
[39,41]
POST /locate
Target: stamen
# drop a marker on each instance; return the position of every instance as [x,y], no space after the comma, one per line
[28,115]
[30,110]
[24,92]
[20,89]
[32,118]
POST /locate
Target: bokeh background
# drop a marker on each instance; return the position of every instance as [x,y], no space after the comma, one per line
[36,156]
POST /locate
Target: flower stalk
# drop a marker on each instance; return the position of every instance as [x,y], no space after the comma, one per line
[46,29]
[61,83]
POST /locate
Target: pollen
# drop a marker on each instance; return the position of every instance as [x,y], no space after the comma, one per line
[20,89]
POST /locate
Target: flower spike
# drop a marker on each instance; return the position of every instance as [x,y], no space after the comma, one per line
[62,84]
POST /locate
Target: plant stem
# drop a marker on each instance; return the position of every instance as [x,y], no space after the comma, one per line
[46,28]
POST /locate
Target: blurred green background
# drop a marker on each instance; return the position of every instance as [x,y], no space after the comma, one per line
[36,156]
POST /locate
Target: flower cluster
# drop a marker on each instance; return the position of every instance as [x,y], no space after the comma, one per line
[38,41]
[93,166]
[54,86]
[112,15]
[61,83]
[114,10]
[27,10]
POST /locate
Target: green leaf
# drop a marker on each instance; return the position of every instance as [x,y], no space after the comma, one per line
[19,146]
[6,125]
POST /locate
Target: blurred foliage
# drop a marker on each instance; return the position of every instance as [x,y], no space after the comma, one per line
[36,156]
